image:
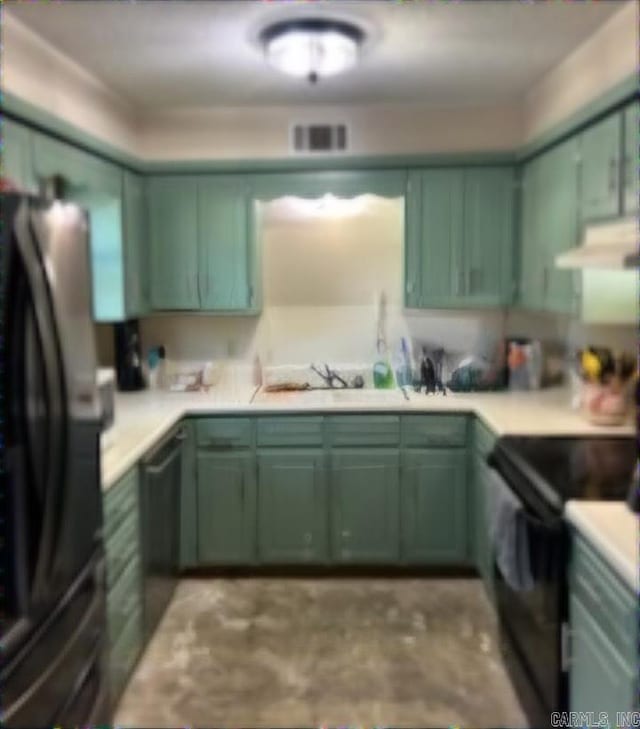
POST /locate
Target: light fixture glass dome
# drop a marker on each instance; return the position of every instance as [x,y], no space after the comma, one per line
[312,48]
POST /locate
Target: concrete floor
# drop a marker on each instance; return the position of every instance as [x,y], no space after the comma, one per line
[326,652]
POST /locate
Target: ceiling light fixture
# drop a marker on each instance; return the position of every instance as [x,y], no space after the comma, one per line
[312,47]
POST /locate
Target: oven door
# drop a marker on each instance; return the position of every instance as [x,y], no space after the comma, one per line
[531,620]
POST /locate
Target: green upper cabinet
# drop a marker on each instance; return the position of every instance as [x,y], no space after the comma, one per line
[532,261]
[224,243]
[549,227]
[97,186]
[441,225]
[226,507]
[17,155]
[434,507]
[459,237]
[631,161]
[559,223]
[201,242]
[365,505]
[292,506]
[488,236]
[600,146]
[173,242]
[136,263]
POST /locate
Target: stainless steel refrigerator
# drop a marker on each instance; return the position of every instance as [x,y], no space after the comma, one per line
[53,638]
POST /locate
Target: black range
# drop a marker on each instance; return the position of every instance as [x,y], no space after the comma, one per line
[564,468]
[544,473]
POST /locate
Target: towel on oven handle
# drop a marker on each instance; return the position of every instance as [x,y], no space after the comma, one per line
[509,534]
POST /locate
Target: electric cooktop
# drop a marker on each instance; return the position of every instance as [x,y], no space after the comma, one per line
[561,468]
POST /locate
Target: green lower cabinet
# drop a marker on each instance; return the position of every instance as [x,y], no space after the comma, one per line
[600,680]
[124,580]
[226,508]
[365,490]
[292,507]
[434,506]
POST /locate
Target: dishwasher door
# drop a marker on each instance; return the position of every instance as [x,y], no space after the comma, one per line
[160,507]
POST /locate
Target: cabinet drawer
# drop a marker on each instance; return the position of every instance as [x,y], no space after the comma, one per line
[423,431]
[288,431]
[370,430]
[484,439]
[124,598]
[121,546]
[224,432]
[124,653]
[120,501]
[613,606]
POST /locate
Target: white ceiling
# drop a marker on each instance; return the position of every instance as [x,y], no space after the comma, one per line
[169,53]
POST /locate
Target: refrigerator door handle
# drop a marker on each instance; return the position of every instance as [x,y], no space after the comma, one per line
[46,334]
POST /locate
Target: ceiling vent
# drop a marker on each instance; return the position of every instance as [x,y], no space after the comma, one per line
[320,138]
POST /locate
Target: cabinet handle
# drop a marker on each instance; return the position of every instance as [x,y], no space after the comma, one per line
[308,537]
[545,279]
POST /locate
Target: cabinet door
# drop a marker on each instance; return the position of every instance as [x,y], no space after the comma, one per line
[17,158]
[173,242]
[631,159]
[224,229]
[434,507]
[226,508]
[599,678]
[96,186]
[135,245]
[413,240]
[442,264]
[559,224]
[600,175]
[292,507]
[488,235]
[532,261]
[365,506]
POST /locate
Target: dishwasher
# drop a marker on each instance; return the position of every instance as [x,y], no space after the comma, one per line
[160,508]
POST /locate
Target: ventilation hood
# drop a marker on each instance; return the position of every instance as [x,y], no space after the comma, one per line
[609,246]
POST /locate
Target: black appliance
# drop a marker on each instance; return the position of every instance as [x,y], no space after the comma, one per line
[53,640]
[545,472]
[128,356]
[160,493]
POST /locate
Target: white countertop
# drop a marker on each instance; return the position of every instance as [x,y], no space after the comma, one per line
[613,530]
[142,418]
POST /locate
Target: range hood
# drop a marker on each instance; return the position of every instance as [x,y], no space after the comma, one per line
[610,246]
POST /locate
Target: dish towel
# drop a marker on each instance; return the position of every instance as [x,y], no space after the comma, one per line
[509,534]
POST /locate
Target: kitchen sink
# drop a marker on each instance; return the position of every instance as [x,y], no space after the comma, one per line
[368,396]
[364,396]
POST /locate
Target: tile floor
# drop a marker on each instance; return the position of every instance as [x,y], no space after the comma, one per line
[310,652]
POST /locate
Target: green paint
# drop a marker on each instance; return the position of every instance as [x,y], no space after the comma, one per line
[600,147]
[365,506]
[434,507]
[292,507]
[173,243]
[226,507]
[459,237]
